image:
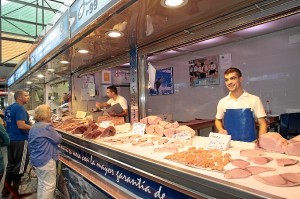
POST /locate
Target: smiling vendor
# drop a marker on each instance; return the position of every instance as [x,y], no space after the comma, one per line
[236,113]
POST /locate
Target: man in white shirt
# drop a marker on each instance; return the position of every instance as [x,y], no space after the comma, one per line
[236,112]
[114,99]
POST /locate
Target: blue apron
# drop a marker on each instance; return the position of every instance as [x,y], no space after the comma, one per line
[240,124]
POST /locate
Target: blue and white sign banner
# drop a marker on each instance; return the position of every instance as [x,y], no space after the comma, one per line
[11,80]
[139,185]
[82,12]
[23,68]
[55,37]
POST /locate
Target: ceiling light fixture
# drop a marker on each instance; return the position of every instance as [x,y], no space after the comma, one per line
[173,3]
[114,34]
[40,75]
[51,70]
[29,82]
[64,62]
[83,51]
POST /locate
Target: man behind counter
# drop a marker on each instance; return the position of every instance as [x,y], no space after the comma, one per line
[236,112]
[114,99]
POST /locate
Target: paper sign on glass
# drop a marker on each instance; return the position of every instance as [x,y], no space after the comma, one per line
[138,128]
[105,124]
[218,141]
[80,114]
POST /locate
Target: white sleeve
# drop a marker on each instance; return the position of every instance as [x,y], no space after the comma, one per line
[109,101]
[123,103]
[220,111]
[259,110]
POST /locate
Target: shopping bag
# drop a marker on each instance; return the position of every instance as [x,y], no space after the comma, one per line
[29,183]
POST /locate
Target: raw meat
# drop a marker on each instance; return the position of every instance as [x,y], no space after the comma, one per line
[92,134]
[275,180]
[237,173]
[286,162]
[109,131]
[163,123]
[240,163]
[258,169]
[150,129]
[260,160]
[144,120]
[272,142]
[153,119]
[292,177]
[251,153]
[80,129]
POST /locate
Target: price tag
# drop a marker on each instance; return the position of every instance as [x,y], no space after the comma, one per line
[138,128]
[218,141]
[182,136]
[80,114]
[105,124]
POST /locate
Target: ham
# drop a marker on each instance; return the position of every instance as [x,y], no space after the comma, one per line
[280,180]
[166,150]
[153,120]
[169,132]
[185,129]
[237,173]
[162,141]
[293,146]
[260,160]
[80,129]
[107,132]
[286,162]
[159,130]
[272,142]
[146,144]
[254,170]
[251,153]
[144,120]
[150,129]
[163,123]
[172,125]
[240,163]
[89,134]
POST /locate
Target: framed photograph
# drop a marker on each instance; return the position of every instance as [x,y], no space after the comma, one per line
[106,77]
[163,83]
[204,71]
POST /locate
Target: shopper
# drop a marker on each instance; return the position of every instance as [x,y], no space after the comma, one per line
[43,146]
[17,127]
[236,112]
[4,141]
[114,99]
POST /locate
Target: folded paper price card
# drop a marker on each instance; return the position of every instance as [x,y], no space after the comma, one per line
[218,141]
[80,114]
[138,128]
[105,124]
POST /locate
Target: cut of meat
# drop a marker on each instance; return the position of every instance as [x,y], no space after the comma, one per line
[80,129]
[272,142]
[146,144]
[293,147]
[258,169]
[237,173]
[163,123]
[150,129]
[185,129]
[169,132]
[144,120]
[153,120]
[286,162]
[162,141]
[166,150]
[240,163]
[159,130]
[251,153]
[260,160]
[109,131]
[275,180]
[292,177]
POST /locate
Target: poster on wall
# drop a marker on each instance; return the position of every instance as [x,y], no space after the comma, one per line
[163,83]
[204,71]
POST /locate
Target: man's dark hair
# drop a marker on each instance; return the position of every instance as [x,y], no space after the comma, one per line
[18,94]
[113,89]
[233,70]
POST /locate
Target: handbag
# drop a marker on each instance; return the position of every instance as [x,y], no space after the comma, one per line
[29,183]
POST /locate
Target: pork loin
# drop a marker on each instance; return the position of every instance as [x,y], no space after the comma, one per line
[286,162]
[272,142]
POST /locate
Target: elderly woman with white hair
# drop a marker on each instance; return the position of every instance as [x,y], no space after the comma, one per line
[43,147]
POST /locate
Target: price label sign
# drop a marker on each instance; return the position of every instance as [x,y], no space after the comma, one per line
[105,124]
[218,141]
[139,128]
[182,136]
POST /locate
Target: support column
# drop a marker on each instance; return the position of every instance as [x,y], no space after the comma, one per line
[134,95]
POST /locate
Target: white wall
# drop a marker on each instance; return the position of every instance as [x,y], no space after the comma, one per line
[271,70]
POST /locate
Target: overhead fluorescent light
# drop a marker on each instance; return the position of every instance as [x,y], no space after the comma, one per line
[51,70]
[40,76]
[83,51]
[64,62]
[173,3]
[29,82]
[114,34]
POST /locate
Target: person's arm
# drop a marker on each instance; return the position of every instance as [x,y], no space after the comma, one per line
[262,126]
[3,136]
[123,114]
[102,104]
[23,126]
[53,135]
[219,126]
